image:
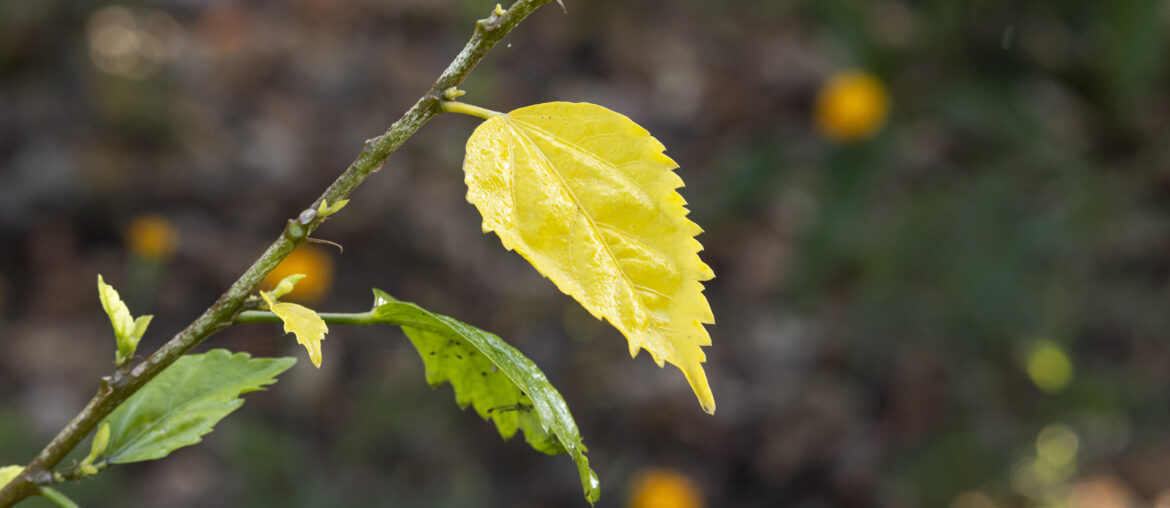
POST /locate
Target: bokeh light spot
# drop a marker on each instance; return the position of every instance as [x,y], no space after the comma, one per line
[1057,445]
[152,236]
[851,106]
[315,263]
[664,488]
[1049,366]
[129,43]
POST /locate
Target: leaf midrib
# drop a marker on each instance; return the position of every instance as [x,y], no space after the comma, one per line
[172,409]
[643,242]
[580,207]
[443,324]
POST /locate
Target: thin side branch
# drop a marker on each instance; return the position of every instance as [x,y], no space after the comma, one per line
[117,387]
[333,318]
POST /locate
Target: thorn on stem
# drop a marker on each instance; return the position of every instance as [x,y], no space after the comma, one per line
[340,249]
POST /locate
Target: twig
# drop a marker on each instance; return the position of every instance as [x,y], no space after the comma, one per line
[335,318]
[117,387]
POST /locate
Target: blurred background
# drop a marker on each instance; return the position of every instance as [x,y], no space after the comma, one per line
[940,229]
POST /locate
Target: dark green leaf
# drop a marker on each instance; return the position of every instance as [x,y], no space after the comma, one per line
[494,378]
[184,402]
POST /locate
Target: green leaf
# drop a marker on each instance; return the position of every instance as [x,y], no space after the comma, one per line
[7,473]
[116,309]
[326,209]
[101,441]
[140,326]
[185,401]
[127,330]
[286,285]
[494,378]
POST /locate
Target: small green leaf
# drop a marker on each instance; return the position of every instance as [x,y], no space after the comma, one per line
[309,328]
[140,326]
[494,378]
[7,473]
[101,441]
[185,401]
[286,285]
[325,209]
[115,308]
[127,330]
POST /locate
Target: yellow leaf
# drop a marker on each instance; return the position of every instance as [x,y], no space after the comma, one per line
[9,473]
[588,197]
[309,328]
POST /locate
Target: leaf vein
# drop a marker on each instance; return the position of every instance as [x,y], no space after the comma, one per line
[573,147]
[580,210]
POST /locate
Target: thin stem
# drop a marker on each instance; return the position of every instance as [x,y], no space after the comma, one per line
[343,318]
[117,387]
[333,318]
[57,497]
[467,109]
[75,473]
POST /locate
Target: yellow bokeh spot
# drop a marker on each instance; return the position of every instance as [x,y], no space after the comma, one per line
[851,106]
[1057,445]
[312,261]
[152,236]
[1049,366]
[664,488]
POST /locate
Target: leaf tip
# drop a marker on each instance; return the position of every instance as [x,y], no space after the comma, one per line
[708,407]
[698,380]
[593,491]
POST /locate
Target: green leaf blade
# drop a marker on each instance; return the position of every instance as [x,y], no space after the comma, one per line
[185,402]
[493,377]
[127,330]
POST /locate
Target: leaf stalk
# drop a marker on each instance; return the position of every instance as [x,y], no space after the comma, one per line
[467,109]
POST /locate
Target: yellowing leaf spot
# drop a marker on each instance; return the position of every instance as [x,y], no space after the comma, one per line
[588,197]
[309,328]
